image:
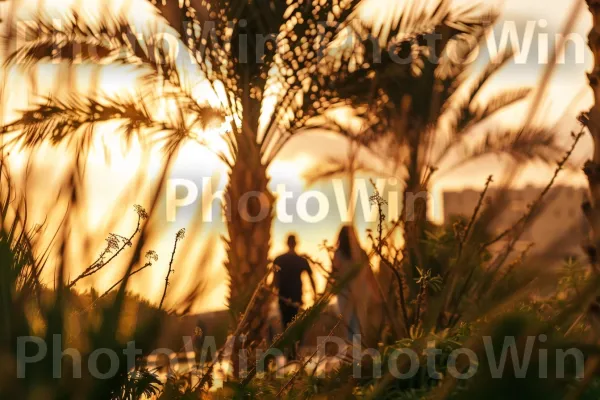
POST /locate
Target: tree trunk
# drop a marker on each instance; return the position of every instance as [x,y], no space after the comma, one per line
[414,214]
[592,167]
[249,211]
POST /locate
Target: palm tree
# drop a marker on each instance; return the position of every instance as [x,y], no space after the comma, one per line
[431,117]
[231,46]
[297,73]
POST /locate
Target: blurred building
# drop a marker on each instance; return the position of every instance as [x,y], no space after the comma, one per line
[558,231]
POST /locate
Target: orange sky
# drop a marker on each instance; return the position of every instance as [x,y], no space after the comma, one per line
[567,94]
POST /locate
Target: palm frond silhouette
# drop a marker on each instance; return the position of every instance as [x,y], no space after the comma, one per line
[280,64]
[423,100]
[222,37]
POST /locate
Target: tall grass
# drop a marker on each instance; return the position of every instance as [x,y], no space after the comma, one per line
[59,317]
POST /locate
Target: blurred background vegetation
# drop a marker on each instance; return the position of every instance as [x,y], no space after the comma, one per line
[450,283]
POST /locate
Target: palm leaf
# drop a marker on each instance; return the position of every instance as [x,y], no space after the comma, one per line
[465,100]
[331,167]
[501,101]
[456,59]
[519,145]
[391,85]
[72,40]
[307,82]
[464,117]
[319,174]
[56,120]
[75,41]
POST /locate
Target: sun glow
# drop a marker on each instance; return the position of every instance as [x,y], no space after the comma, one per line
[199,154]
[214,137]
[290,172]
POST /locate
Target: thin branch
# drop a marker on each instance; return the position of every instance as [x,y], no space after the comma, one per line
[462,240]
[467,232]
[179,236]
[523,223]
[527,218]
[151,256]
[113,244]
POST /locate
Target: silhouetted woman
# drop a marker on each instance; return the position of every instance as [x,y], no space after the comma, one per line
[359,293]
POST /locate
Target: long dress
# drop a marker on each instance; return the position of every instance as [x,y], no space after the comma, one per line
[345,300]
[359,300]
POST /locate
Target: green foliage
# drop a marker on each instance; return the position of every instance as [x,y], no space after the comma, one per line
[140,383]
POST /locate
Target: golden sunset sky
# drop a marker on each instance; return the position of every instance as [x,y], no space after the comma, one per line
[112,187]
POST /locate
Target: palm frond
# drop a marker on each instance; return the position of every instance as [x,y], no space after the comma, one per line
[457,58]
[363,132]
[410,18]
[55,120]
[335,168]
[72,40]
[465,117]
[285,47]
[331,167]
[501,101]
[404,64]
[75,40]
[465,100]
[309,66]
[519,145]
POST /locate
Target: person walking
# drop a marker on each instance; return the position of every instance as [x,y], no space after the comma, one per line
[359,299]
[288,280]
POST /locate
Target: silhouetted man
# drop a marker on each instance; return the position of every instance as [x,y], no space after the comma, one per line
[288,279]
